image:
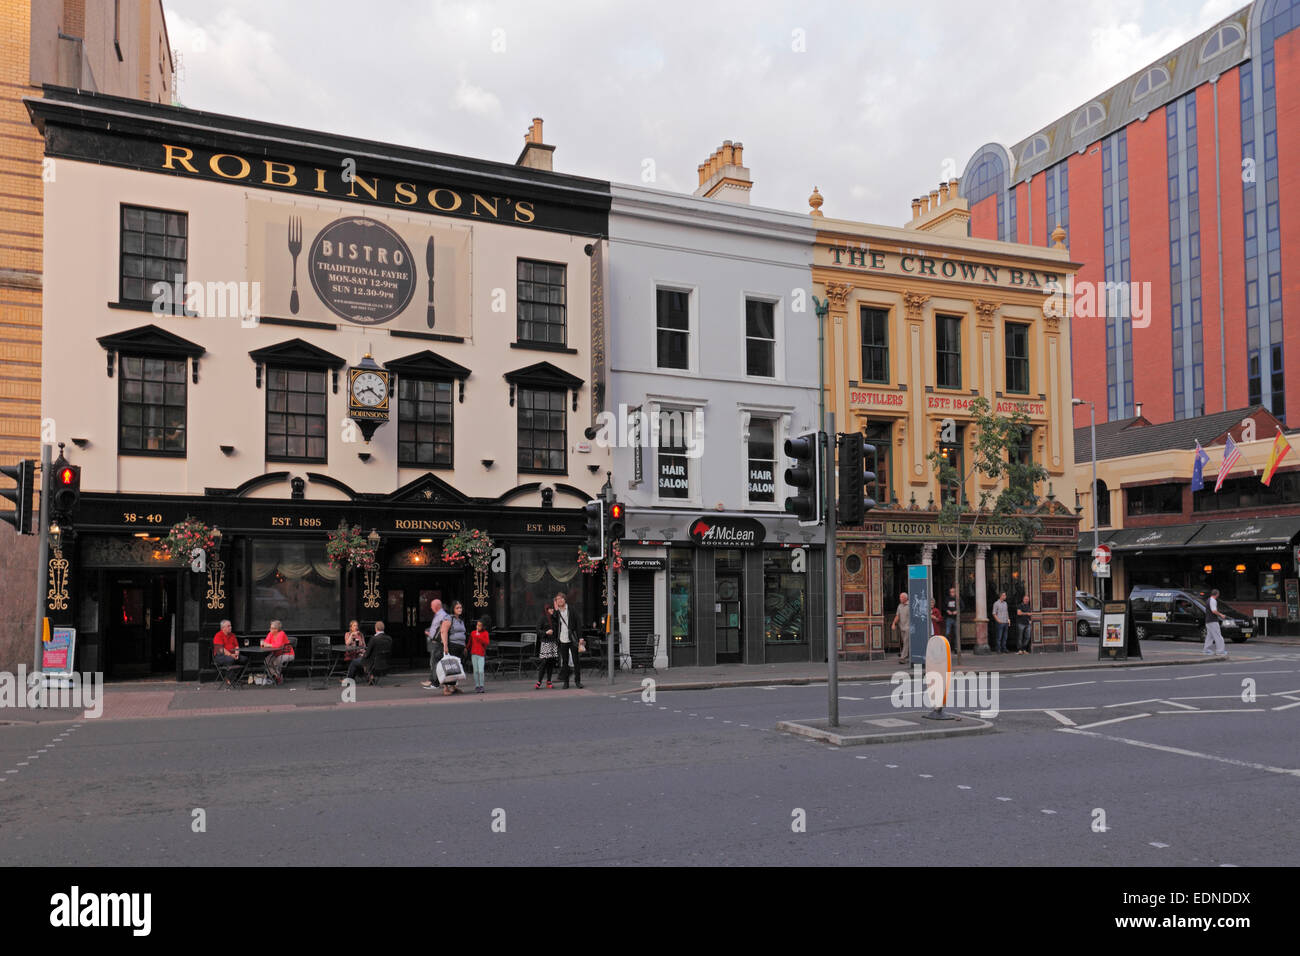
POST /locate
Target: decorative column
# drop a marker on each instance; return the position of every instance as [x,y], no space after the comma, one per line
[837,370]
[927,559]
[981,600]
[915,352]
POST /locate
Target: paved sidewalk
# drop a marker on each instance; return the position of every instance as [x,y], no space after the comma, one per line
[167,698]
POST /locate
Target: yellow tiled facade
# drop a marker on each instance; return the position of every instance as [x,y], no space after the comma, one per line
[886,291]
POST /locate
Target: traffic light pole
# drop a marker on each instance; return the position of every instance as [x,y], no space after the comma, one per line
[832,631]
[42,554]
[612,631]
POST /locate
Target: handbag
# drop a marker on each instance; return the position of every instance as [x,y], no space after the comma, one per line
[450,669]
[582,645]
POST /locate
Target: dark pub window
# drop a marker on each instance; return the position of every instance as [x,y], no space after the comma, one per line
[955,482]
[673,335]
[541,303]
[947,347]
[151,406]
[154,249]
[1103,504]
[875,345]
[295,414]
[880,434]
[424,422]
[760,338]
[1017,340]
[542,431]
[1154,499]
[762,462]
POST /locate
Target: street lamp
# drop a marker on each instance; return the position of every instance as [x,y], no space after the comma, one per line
[56,536]
[373,538]
[1096,535]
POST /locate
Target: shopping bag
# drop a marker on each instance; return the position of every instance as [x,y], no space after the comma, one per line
[450,670]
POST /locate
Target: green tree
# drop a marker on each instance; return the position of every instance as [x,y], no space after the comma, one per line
[996,453]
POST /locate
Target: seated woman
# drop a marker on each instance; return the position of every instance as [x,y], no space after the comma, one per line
[355,641]
[281,652]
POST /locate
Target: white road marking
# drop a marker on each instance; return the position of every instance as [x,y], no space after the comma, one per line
[1159,846]
[1061,717]
[1005,799]
[1076,684]
[1207,697]
[892,766]
[1174,703]
[1233,710]
[962,786]
[1196,676]
[1288,706]
[1134,680]
[1134,703]
[927,776]
[861,757]
[1283,693]
[1113,720]
[1181,751]
[1051,812]
[850,698]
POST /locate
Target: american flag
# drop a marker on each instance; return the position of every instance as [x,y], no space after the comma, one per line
[1231,455]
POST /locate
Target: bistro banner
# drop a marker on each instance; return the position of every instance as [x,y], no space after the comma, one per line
[325,263]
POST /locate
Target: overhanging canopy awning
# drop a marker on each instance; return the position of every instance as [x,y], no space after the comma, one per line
[1248,533]
[1142,539]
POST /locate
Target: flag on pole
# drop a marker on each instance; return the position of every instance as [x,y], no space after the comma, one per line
[1198,467]
[1280,447]
[1231,455]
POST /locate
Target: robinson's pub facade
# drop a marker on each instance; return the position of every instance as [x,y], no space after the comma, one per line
[233,307]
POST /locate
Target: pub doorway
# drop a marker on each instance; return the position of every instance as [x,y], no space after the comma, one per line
[141,625]
[894,572]
[409,597]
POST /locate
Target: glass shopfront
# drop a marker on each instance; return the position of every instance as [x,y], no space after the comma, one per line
[784,599]
[537,574]
[680,565]
[294,583]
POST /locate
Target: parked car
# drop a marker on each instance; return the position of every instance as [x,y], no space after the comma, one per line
[1180,614]
[1087,613]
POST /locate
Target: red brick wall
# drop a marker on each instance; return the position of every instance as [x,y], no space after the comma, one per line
[1148,198]
[1286,53]
[1042,228]
[984,218]
[1087,336]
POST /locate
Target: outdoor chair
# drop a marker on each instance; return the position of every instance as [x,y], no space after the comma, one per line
[376,666]
[229,674]
[641,652]
[318,665]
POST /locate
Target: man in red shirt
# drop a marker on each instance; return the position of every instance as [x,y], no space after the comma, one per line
[225,646]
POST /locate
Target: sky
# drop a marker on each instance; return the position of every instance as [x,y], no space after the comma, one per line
[871,102]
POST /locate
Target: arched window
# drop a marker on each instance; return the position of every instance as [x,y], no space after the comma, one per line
[1088,117]
[1150,81]
[1230,34]
[1037,146]
[1103,504]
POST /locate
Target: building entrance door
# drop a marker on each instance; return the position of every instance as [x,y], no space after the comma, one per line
[409,610]
[141,618]
[727,626]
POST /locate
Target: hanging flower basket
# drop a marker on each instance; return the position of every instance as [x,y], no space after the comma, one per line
[187,535]
[587,566]
[468,546]
[349,548]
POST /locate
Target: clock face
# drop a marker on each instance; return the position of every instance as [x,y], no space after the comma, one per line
[369,389]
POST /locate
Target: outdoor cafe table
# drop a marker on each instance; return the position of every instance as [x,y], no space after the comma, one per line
[255,656]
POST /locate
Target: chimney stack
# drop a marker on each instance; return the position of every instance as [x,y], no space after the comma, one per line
[536,154]
[943,192]
[722,175]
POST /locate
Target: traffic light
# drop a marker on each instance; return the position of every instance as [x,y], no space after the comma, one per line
[65,489]
[594,513]
[23,475]
[805,478]
[856,480]
[614,527]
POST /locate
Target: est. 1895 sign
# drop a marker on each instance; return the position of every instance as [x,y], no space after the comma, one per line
[362,270]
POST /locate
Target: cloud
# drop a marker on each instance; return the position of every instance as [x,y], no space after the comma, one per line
[474,99]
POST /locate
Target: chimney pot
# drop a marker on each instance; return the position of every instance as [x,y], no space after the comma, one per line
[916,208]
[952,187]
[739,148]
[934,199]
[943,192]
[925,204]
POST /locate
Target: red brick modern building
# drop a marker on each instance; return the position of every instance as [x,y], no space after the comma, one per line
[1179,191]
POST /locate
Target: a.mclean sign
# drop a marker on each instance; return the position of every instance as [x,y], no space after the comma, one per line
[727,532]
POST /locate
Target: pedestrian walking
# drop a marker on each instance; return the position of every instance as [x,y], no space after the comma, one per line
[1213,628]
[1024,626]
[548,648]
[478,645]
[937,626]
[950,616]
[436,639]
[900,625]
[1002,620]
[568,642]
[454,644]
